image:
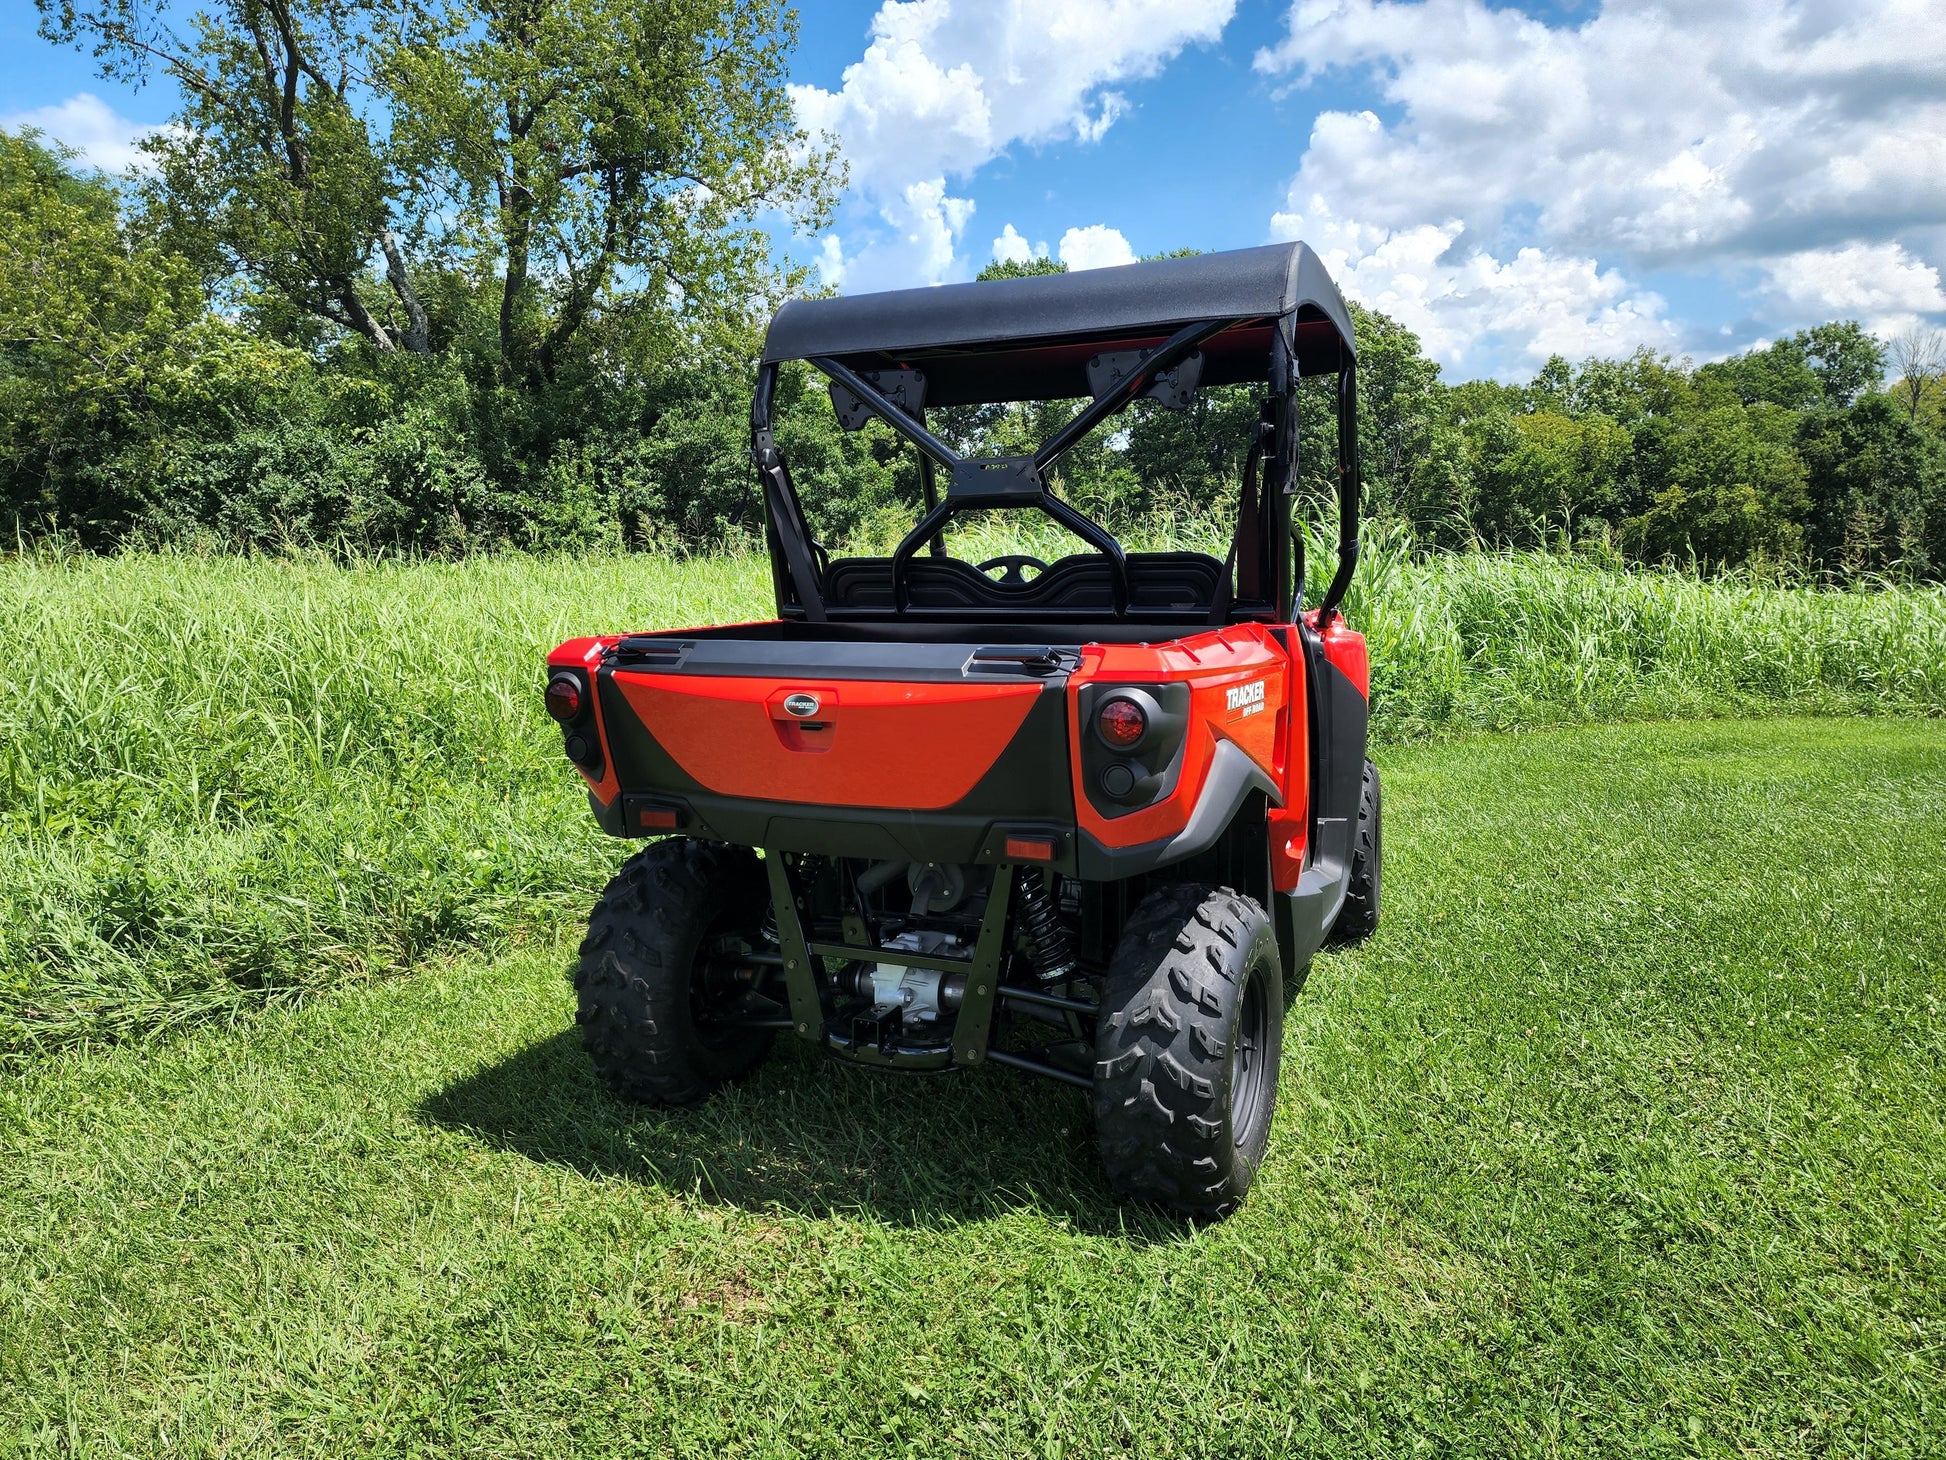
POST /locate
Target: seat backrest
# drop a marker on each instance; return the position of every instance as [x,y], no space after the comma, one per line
[1171,580]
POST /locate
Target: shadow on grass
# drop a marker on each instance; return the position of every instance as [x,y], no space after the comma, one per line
[812,1137]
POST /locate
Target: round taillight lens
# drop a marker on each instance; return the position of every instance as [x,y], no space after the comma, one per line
[1122,724]
[564,698]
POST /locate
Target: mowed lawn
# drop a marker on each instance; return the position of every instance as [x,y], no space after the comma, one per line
[1626,1134]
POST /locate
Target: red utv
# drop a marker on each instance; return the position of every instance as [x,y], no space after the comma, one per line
[937,808]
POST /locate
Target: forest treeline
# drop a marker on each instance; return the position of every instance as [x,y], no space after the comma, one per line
[450,277]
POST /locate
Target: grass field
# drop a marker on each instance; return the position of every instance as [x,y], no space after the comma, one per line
[1627,1134]
[228,783]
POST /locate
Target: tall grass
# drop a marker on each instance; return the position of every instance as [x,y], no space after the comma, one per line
[228,781]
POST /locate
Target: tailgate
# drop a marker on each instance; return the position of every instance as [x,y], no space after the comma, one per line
[928,751]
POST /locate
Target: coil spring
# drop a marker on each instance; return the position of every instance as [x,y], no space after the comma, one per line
[1053,952]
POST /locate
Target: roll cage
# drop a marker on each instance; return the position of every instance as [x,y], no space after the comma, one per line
[1162,329]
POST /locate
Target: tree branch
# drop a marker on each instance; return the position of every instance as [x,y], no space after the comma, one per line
[415,338]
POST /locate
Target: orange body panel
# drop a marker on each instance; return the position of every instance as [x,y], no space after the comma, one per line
[923,745]
[1211,664]
[1345,647]
[896,745]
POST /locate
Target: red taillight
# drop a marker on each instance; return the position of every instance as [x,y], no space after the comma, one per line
[564,698]
[1122,723]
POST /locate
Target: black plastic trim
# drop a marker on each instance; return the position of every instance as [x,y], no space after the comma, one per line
[827,660]
[1232,777]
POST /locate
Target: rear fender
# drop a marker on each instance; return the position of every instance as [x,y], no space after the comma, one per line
[1312,887]
[1234,686]
[604,790]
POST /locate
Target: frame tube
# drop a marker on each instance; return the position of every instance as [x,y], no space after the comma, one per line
[1350,488]
[897,419]
[1165,355]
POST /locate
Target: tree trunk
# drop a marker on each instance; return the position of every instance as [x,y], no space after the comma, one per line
[519,229]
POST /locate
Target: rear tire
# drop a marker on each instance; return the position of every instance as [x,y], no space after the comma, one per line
[1186,1050]
[656,980]
[1358,918]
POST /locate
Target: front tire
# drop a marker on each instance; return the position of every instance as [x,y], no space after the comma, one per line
[1187,1047]
[657,981]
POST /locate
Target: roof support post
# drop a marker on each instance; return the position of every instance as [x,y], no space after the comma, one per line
[791,564]
[1350,490]
[1280,480]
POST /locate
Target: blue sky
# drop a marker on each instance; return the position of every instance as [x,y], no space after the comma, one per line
[1693,175]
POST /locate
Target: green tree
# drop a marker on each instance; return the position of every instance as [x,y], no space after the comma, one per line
[1397,406]
[1016,269]
[547,148]
[1543,473]
[591,140]
[1847,361]
[89,316]
[1779,375]
[1827,366]
[1877,489]
[1636,388]
[1732,491]
[275,174]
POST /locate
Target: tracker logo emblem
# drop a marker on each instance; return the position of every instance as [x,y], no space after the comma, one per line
[801,705]
[1247,699]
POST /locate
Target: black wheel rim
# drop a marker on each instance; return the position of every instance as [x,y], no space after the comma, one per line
[1252,1062]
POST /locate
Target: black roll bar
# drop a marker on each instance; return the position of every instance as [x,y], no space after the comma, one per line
[1164,357]
[894,416]
[1086,528]
[1031,490]
[1350,486]
[791,566]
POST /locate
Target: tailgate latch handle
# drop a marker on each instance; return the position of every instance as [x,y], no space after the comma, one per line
[1022,659]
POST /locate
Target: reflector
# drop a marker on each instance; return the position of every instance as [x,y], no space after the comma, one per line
[1030,849]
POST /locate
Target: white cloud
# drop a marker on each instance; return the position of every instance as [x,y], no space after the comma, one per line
[91,127]
[1011,248]
[831,261]
[913,240]
[1788,143]
[1095,247]
[945,86]
[1458,298]
[1873,280]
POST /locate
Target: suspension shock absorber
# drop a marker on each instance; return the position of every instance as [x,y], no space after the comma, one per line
[1053,950]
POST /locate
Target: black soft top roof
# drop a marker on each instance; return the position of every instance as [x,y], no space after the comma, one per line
[1031,339]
